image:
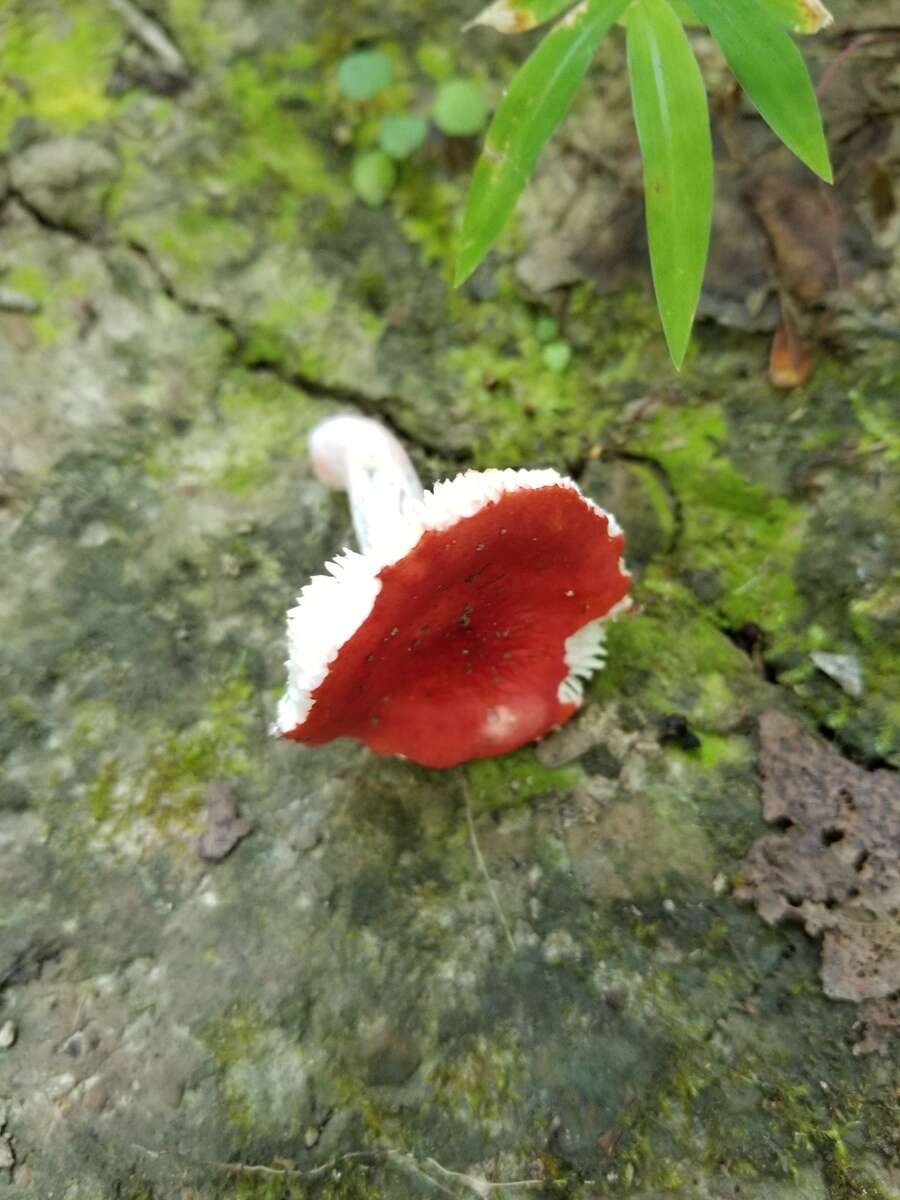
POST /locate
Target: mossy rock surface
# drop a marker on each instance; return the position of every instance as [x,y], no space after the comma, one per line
[345,1007]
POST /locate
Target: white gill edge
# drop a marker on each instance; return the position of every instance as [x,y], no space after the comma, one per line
[331,608]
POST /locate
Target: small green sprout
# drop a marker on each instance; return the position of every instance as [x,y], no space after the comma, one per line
[400,134]
[557,356]
[364,74]
[374,176]
[459,108]
[546,329]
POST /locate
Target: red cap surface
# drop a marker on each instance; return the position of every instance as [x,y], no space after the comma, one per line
[463,653]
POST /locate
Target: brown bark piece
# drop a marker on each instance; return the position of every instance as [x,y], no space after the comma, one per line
[834,867]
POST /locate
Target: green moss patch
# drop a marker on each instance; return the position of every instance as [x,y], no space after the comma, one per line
[56,61]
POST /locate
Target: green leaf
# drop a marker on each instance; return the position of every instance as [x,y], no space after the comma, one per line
[374,176]
[803,16]
[459,109]
[546,329]
[538,98]
[673,128]
[557,356]
[402,133]
[363,75]
[771,70]
[517,16]
[686,15]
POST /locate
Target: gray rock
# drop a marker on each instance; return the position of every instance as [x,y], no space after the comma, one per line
[844,669]
[65,180]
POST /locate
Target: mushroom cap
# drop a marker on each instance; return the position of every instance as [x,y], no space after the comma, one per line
[465,632]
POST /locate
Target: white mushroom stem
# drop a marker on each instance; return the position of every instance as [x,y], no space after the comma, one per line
[364,459]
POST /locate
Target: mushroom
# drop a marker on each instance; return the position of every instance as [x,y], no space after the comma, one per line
[467,622]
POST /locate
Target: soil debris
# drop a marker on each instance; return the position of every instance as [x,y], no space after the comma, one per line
[225,827]
[674,730]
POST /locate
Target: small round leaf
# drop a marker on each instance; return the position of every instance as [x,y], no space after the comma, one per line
[364,74]
[401,133]
[459,108]
[557,356]
[374,176]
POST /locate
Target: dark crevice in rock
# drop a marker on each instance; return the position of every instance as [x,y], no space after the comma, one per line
[853,752]
[50,225]
[348,396]
[751,639]
[664,480]
[335,393]
[28,963]
[193,307]
[238,358]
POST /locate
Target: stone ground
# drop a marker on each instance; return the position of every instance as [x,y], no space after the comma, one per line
[354,1002]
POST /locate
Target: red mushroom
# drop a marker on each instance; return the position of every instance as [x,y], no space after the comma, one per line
[467,623]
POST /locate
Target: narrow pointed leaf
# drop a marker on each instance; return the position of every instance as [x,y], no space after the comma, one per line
[538,98]
[517,16]
[803,16]
[672,120]
[771,70]
[685,13]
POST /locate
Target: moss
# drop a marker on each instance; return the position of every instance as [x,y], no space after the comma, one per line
[135,1189]
[845,1180]
[435,59]
[742,1110]
[100,796]
[271,140]
[530,414]
[716,750]
[200,39]
[57,59]
[166,787]
[198,236]
[877,419]
[52,322]
[256,1186]
[673,660]
[738,542]
[513,779]
[31,280]
[231,1039]
[481,1083]
[238,1040]
[275,335]
[267,425]
[23,720]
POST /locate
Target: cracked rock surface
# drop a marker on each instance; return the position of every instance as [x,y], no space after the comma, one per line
[531,971]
